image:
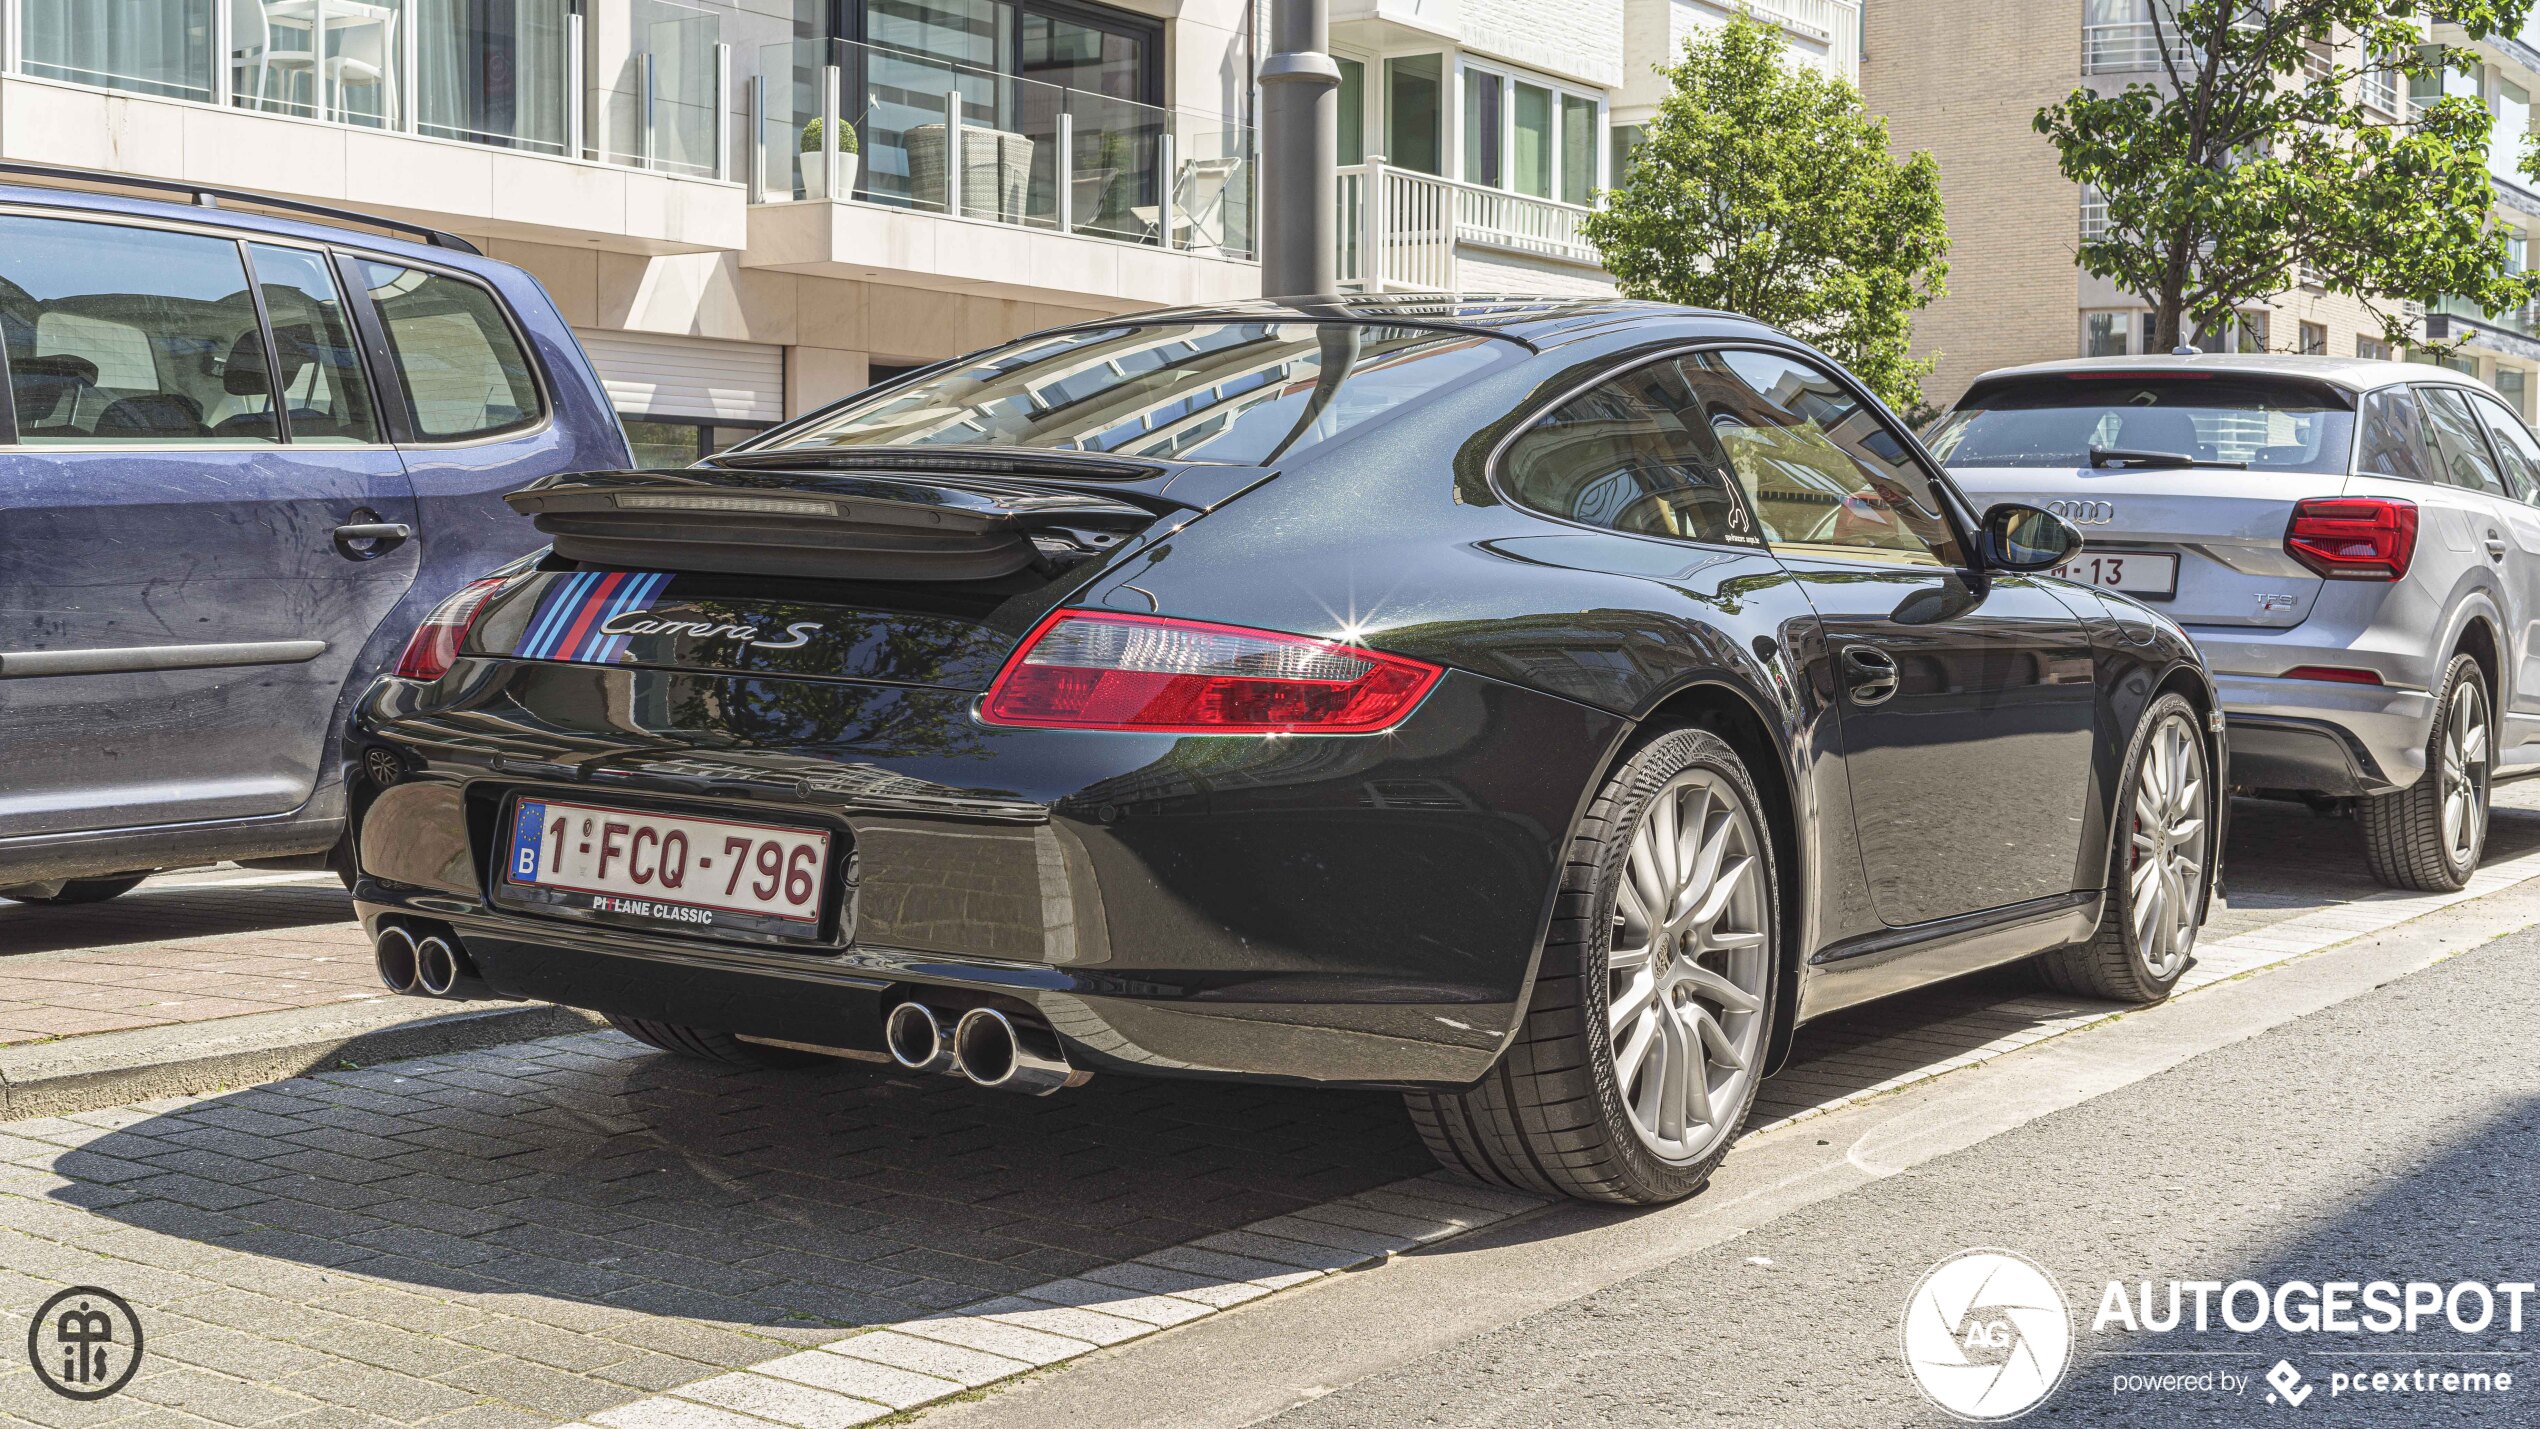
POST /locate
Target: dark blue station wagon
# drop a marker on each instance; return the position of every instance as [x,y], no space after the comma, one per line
[241,457]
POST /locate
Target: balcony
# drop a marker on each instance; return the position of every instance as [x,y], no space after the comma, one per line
[1058,194]
[2131,47]
[1405,231]
[421,109]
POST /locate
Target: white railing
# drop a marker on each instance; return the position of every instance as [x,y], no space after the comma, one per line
[1400,229]
[2130,47]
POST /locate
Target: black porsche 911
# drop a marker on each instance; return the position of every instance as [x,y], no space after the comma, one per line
[1540,707]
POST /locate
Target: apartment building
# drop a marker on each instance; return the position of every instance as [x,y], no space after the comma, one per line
[2503,347]
[2016,293]
[675,170]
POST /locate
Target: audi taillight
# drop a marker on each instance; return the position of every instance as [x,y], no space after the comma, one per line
[2353,538]
[435,642]
[1084,669]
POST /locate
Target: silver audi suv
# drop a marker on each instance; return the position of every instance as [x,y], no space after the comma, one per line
[2355,545]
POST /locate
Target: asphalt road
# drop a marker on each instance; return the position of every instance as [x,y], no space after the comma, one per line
[2389,1137]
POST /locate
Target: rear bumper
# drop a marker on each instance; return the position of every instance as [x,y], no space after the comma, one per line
[2315,736]
[1359,910]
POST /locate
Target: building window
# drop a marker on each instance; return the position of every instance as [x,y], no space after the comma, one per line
[1415,110]
[1623,147]
[2514,384]
[1528,137]
[663,442]
[2315,339]
[2094,215]
[1016,68]
[1353,124]
[2103,335]
[2372,349]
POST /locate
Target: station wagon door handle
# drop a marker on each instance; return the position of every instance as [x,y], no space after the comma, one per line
[1869,675]
[361,540]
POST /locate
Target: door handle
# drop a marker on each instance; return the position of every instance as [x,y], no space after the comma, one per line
[1869,675]
[2495,546]
[362,540]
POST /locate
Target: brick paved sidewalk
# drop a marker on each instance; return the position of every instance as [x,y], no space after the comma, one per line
[530,1234]
[178,951]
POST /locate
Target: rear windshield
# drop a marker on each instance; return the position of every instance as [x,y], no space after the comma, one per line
[1238,392]
[2060,421]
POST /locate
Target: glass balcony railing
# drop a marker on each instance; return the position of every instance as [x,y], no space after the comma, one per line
[663,111]
[506,73]
[941,137]
[2524,321]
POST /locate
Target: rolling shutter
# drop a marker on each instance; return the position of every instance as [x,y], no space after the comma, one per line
[655,376]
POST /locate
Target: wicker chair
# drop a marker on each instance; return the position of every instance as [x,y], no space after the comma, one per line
[996,170]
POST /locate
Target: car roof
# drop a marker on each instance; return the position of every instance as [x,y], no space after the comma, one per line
[346,232]
[2355,374]
[1535,320]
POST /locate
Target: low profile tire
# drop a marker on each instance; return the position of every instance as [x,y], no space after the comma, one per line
[2431,835]
[710,1046]
[1643,1045]
[2157,870]
[89,890]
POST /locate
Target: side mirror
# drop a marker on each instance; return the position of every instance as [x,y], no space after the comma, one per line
[2023,538]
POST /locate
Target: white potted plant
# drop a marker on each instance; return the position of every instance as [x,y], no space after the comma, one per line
[815,173]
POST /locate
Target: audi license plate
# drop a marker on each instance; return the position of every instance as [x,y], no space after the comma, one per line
[2134,572]
[670,871]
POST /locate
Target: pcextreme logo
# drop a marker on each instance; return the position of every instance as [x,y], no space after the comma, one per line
[1987,1335]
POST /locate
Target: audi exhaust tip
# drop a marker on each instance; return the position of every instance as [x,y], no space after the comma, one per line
[1011,1054]
[918,1040]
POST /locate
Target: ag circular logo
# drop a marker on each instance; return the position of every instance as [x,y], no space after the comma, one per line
[85,1343]
[1987,1335]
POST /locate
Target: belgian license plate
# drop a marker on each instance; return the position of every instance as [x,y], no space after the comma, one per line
[672,870]
[2134,572]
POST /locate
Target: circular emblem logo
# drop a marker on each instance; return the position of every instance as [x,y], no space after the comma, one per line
[1987,1335]
[85,1343]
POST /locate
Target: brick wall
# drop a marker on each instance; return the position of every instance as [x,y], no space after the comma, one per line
[1963,79]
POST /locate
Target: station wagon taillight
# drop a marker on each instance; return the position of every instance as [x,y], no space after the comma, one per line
[435,643]
[2353,538]
[1085,669]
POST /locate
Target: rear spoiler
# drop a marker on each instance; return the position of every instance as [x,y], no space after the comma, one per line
[851,525]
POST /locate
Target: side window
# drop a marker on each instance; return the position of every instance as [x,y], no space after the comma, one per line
[464,373]
[324,394]
[1621,455]
[132,336]
[2394,440]
[1820,468]
[2515,443]
[2466,460]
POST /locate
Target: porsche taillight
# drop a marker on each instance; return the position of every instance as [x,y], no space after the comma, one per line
[2353,538]
[435,643]
[1083,669]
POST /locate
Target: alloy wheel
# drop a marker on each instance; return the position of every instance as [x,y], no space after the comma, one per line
[2171,794]
[2463,770]
[1689,967]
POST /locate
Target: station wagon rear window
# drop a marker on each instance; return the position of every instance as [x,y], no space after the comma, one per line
[2059,420]
[1239,392]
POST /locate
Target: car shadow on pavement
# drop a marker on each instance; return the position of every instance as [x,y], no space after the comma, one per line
[592,1171]
[159,913]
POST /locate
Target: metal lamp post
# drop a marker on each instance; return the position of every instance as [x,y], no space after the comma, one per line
[1300,153]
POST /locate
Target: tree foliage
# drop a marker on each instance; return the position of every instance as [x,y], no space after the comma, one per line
[1766,189]
[2258,156]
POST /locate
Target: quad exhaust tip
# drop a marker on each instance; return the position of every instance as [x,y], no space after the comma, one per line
[437,970]
[396,957]
[1010,1053]
[998,1051]
[918,1040]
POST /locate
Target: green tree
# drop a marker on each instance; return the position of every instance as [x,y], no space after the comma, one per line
[2260,154]
[1766,189]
